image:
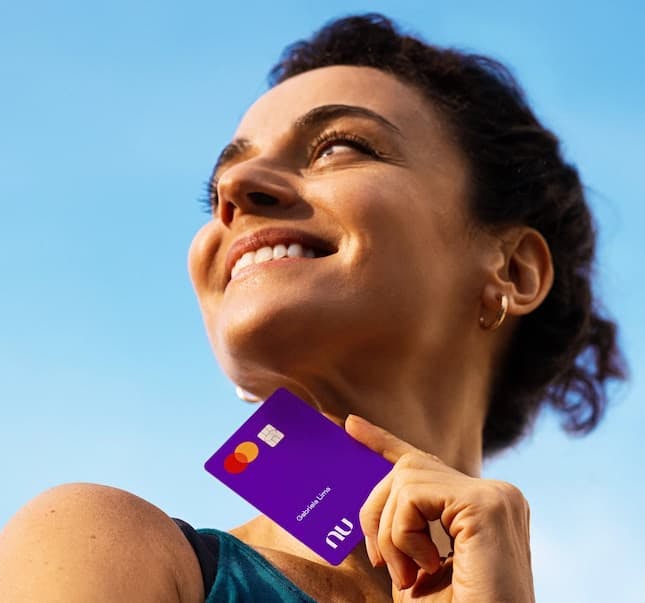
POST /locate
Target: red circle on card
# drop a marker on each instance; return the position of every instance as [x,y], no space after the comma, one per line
[235,463]
[238,460]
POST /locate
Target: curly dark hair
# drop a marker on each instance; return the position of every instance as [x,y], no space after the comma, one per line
[564,352]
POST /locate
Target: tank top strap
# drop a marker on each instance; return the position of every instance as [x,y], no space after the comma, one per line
[243,575]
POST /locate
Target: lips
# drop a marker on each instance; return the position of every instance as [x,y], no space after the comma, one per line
[273,236]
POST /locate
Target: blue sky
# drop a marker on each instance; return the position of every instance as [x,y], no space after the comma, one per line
[111,118]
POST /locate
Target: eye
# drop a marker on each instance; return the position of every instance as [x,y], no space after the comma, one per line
[335,147]
[331,144]
[210,200]
[213,195]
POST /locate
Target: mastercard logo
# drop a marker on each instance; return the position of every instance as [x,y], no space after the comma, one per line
[239,459]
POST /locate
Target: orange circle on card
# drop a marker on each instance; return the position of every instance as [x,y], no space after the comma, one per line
[249,450]
[238,460]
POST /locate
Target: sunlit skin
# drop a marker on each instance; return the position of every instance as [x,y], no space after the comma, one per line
[386,327]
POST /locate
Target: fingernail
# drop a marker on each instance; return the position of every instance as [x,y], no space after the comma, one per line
[395,579]
[374,556]
[370,553]
[357,419]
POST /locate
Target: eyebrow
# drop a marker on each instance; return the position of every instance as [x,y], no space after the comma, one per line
[231,152]
[319,115]
[315,117]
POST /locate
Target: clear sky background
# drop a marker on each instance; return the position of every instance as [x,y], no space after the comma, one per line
[111,117]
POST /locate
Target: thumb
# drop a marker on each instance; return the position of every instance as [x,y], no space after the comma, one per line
[377,439]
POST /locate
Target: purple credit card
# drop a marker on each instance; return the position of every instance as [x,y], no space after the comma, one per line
[302,471]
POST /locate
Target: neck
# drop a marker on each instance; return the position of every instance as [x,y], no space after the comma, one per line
[442,413]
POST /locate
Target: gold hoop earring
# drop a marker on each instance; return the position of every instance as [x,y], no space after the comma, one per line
[499,319]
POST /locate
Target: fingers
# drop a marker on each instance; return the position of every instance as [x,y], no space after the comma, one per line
[387,445]
[396,529]
[370,518]
[395,517]
[486,520]
[410,536]
[404,539]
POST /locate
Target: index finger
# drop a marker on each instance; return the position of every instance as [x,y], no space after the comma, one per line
[377,439]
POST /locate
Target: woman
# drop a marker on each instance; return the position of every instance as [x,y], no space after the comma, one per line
[394,237]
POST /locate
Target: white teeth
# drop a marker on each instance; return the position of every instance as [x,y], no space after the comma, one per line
[246,259]
[295,250]
[279,251]
[266,253]
[263,254]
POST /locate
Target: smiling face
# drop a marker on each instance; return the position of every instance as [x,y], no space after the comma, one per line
[358,168]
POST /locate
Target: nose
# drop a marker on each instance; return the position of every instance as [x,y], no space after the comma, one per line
[253,188]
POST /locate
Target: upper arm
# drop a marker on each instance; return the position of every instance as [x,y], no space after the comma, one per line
[86,542]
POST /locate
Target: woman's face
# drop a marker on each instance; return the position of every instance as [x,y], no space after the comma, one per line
[359,167]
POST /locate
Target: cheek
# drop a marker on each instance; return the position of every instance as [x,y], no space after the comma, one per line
[391,226]
[200,256]
[410,242]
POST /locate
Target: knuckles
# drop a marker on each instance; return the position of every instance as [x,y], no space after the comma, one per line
[468,502]
[418,459]
[409,460]
[503,498]
[400,536]
[510,493]
[369,518]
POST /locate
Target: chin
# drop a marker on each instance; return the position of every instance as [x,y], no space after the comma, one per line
[256,348]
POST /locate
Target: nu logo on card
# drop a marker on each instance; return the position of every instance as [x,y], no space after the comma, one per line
[339,533]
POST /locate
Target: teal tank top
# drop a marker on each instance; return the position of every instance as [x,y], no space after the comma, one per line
[244,576]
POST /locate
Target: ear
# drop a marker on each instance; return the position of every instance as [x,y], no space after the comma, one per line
[523,271]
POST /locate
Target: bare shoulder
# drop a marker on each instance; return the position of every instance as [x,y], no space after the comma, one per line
[81,541]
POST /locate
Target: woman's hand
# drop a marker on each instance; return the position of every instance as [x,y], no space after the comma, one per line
[487,521]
